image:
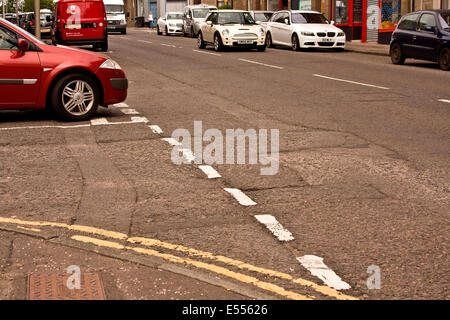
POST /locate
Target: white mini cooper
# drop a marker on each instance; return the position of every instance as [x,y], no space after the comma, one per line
[231,28]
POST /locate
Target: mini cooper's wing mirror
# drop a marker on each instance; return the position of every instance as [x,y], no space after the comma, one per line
[209,23]
[286,21]
[258,22]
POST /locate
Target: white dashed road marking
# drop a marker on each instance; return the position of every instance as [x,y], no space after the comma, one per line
[121,105]
[188,155]
[145,41]
[262,64]
[275,227]
[210,172]
[156,129]
[129,111]
[172,141]
[210,53]
[349,81]
[168,45]
[137,120]
[240,197]
[99,121]
[444,100]
[319,269]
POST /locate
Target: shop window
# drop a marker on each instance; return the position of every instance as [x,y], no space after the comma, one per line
[390,14]
[357,11]
[341,11]
[272,5]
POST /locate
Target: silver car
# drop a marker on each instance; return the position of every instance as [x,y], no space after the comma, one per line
[193,17]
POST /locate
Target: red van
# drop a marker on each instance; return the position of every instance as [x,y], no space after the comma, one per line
[80,23]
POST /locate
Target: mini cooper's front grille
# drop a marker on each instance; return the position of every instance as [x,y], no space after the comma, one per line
[321,34]
[245,35]
[331,34]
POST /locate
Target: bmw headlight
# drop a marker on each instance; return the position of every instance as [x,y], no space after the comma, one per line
[261,32]
[341,34]
[110,64]
[308,34]
[226,32]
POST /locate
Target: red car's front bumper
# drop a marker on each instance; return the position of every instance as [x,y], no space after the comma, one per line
[115,85]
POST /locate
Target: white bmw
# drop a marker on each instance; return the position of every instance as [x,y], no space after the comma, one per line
[170,23]
[231,28]
[300,29]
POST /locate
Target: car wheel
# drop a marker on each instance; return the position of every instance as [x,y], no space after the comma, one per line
[444,59]
[124,32]
[200,42]
[261,48]
[104,46]
[397,54]
[218,46]
[269,43]
[158,32]
[167,31]
[295,43]
[75,97]
[192,32]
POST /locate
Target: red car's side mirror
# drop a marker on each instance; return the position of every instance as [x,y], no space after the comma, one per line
[23,45]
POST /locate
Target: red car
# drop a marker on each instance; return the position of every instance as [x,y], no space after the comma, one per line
[73,82]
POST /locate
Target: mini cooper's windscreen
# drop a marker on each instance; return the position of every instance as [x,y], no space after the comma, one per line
[309,18]
[235,18]
[175,16]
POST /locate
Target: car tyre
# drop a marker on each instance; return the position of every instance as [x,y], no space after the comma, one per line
[269,43]
[104,46]
[192,32]
[444,59]
[261,48]
[75,97]
[158,32]
[124,31]
[200,43]
[396,54]
[295,43]
[167,31]
[218,46]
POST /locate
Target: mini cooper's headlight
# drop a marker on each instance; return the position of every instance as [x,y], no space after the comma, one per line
[261,32]
[226,32]
[308,34]
[341,34]
[110,64]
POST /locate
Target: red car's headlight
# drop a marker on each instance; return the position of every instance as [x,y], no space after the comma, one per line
[110,64]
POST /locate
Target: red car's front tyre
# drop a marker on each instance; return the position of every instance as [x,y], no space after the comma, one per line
[75,97]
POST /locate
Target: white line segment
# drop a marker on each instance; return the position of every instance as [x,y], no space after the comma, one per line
[315,265]
[240,197]
[129,111]
[444,100]
[275,227]
[121,105]
[99,121]
[210,172]
[156,129]
[205,52]
[188,155]
[145,41]
[349,81]
[171,141]
[262,64]
[168,45]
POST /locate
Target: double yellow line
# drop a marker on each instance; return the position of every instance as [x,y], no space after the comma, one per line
[146,242]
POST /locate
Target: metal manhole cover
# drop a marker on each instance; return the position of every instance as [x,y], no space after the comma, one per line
[54,287]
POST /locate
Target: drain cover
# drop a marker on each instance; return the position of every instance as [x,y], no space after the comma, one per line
[53,287]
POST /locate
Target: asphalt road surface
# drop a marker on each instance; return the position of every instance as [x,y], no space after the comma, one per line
[363,180]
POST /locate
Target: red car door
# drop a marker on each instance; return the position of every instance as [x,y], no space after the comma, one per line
[20,72]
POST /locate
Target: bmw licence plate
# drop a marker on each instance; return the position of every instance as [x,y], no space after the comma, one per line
[327,40]
[245,41]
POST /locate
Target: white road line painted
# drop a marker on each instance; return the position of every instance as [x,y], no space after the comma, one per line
[444,100]
[168,45]
[47,127]
[156,129]
[262,64]
[205,52]
[99,121]
[145,41]
[139,120]
[172,141]
[188,155]
[349,81]
[121,105]
[275,227]
[129,111]
[240,197]
[125,38]
[319,269]
[210,172]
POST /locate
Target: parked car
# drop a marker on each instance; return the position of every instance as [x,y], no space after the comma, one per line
[27,21]
[300,29]
[262,16]
[170,23]
[115,15]
[72,82]
[11,17]
[193,17]
[80,22]
[231,28]
[422,35]
[46,18]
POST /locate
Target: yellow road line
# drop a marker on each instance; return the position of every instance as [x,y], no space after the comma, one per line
[210,267]
[29,229]
[191,251]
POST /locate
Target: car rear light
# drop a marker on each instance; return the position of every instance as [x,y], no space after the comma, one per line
[100,24]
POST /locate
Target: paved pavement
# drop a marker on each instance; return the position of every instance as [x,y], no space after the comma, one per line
[362,182]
